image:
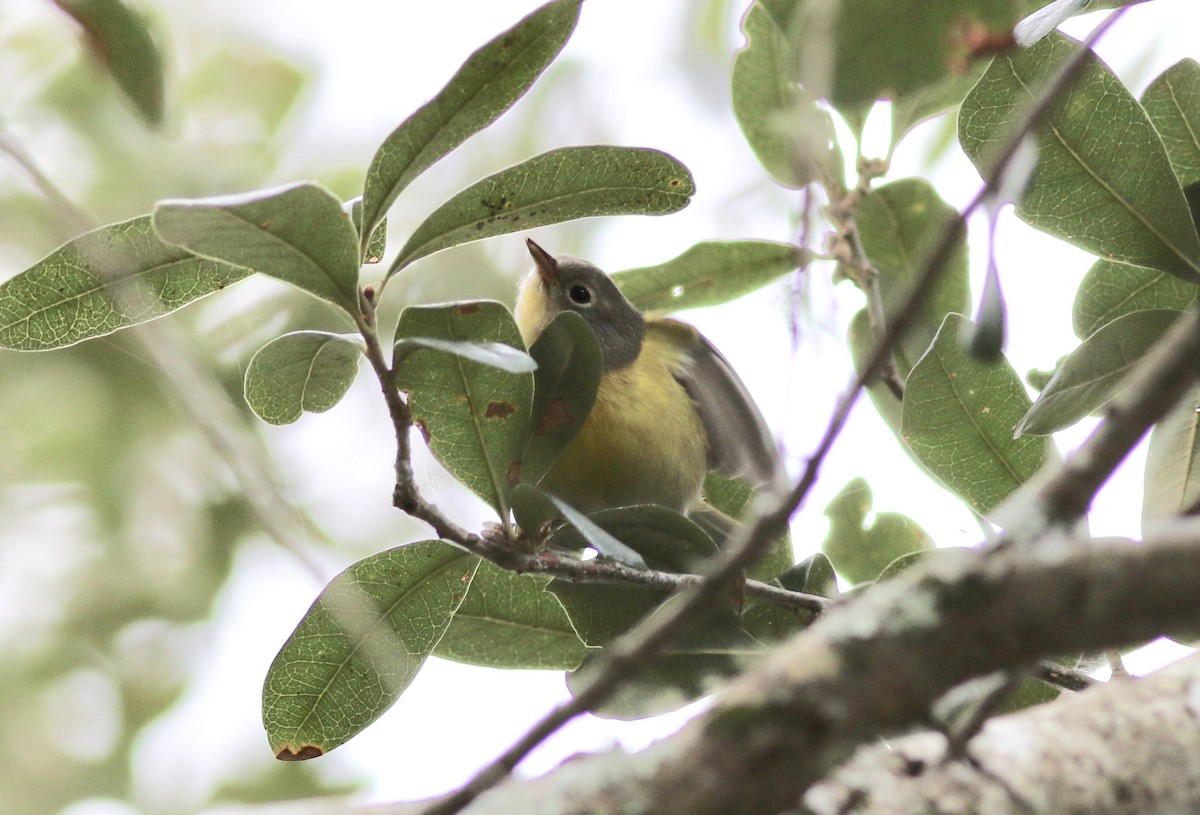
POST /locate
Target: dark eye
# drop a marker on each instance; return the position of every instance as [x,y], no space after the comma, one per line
[580,294]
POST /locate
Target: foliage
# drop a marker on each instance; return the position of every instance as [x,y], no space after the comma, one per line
[1112,174]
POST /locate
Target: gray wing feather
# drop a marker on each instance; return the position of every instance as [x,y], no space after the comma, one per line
[739,442]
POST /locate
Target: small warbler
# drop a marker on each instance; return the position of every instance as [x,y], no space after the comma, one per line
[669,407]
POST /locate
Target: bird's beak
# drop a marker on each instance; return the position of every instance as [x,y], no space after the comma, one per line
[547,266]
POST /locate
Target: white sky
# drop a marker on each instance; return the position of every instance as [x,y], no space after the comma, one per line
[378,62]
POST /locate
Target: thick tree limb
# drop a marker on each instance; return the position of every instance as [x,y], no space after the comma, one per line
[1123,749]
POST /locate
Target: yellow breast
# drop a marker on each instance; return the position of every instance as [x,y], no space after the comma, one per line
[643,441]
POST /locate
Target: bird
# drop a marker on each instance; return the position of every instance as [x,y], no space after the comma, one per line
[669,407]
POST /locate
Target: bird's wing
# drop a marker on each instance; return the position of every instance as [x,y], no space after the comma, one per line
[739,443]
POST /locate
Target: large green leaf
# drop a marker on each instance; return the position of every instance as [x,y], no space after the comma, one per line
[302,371]
[564,388]
[1110,290]
[1172,101]
[1103,180]
[113,277]
[118,36]
[360,645]
[507,620]
[709,274]
[899,225]
[487,84]
[494,354]
[1091,374]
[958,419]
[298,234]
[790,133]
[561,185]
[1172,476]
[475,416]
[853,52]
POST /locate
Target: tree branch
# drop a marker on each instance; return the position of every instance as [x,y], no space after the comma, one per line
[1123,749]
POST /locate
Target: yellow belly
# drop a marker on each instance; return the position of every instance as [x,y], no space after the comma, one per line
[643,442]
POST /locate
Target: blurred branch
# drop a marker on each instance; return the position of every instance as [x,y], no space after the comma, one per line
[72,219]
[199,393]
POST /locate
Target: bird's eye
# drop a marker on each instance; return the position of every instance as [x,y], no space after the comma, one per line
[581,295]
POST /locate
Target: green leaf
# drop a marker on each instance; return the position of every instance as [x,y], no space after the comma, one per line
[768,622]
[376,245]
[731,496]
[562,185]
[860,552]
[913,108]
[790,133]
[302,371]
[1092,374]
[1110,290]
[488,83]
[601,612]
[474,416]
[958,419]
[709,274]
[1172,476]
[1172,101]
[888,50]
[360,645]
[493,354]
[113,277]
[901,564]
[1096,142]
[118,36]
[862,346]
[664,538]
[564,389]
[298,234]
[507,620]
[599,538]
[899,225]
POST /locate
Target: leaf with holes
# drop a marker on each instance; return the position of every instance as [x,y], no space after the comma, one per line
[709,274]
[487,84]
[474,416]
[105,280]
[302,371]
[958,419]
[561,185]
[360,645]
[1096,141]
[298,234]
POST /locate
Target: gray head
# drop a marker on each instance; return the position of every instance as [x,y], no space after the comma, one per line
[568,283]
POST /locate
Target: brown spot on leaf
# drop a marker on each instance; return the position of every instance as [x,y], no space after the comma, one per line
[499,410]
[469,308]
[303,754]
[513,473]
[420,423]
[554,417]
[675,182]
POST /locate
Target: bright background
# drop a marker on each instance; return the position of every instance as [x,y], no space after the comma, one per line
[635,73]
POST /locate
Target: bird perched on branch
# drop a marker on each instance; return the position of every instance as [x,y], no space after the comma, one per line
[669,407]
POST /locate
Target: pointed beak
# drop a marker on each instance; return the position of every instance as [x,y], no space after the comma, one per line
[547,266]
